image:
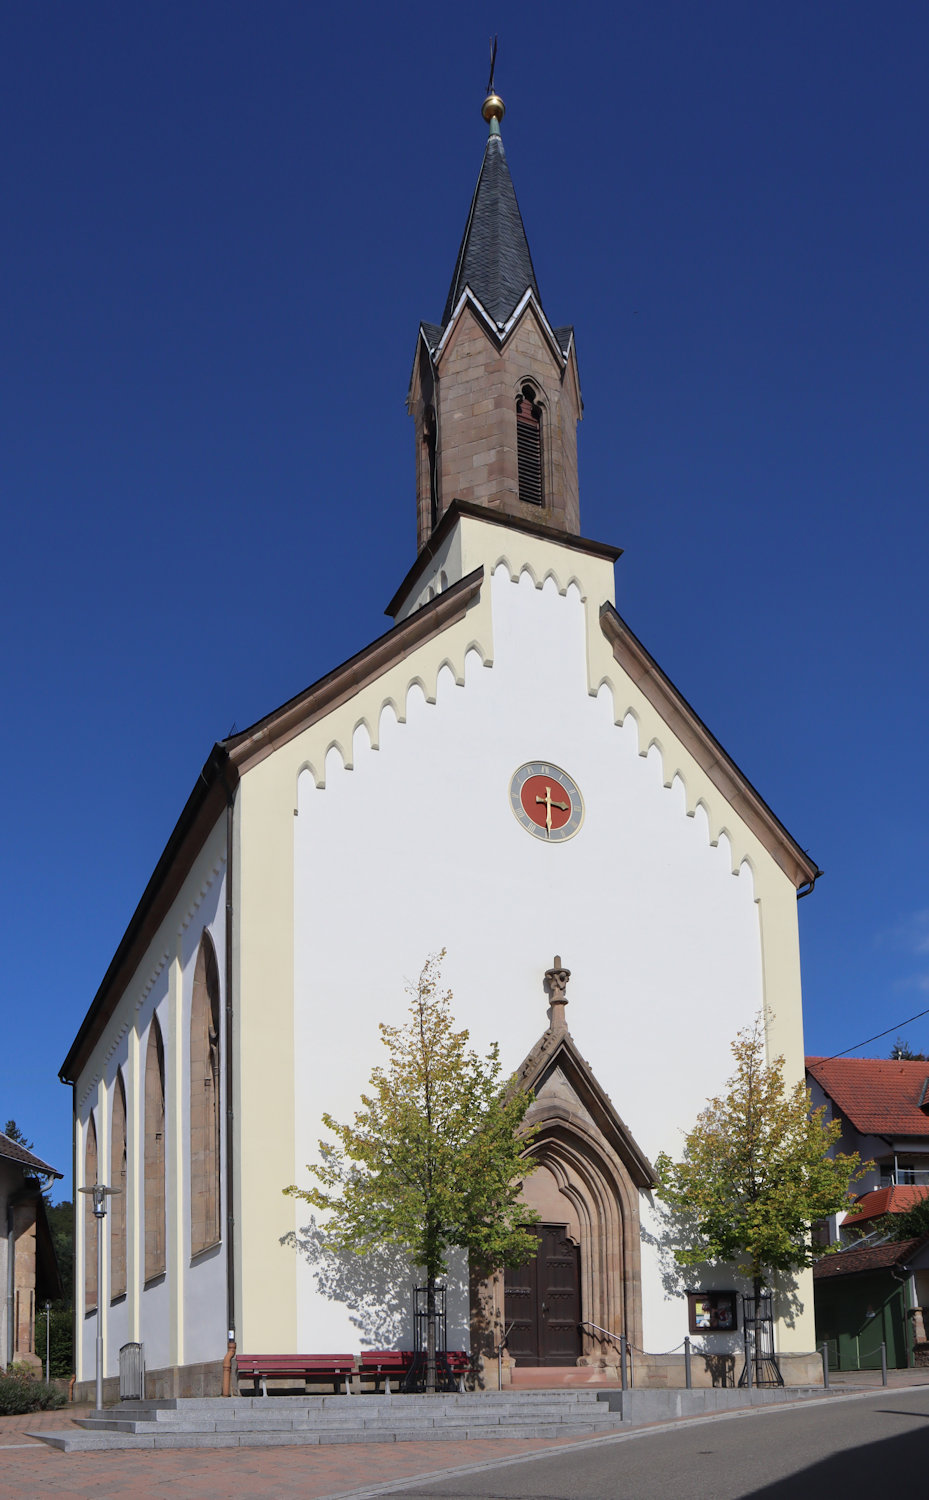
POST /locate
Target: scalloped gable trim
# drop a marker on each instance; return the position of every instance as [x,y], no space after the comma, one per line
[252,745]
[229,761]
[500,518]
[690,730]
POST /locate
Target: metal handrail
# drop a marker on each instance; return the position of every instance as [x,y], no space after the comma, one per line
[616,1337]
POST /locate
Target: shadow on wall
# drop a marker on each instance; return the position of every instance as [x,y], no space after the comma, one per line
[375,1287]
[675,1228]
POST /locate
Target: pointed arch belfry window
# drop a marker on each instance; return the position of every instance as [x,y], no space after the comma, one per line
[90,1223]
[154,1152]
[430,441]
[117,1204]
[204,1102]
[529,445]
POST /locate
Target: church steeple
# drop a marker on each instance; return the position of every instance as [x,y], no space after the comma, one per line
[494,392]
[494,259]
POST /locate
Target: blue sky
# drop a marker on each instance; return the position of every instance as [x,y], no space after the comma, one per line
[222,224]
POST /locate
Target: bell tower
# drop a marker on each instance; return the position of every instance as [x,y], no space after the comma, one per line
[494,394]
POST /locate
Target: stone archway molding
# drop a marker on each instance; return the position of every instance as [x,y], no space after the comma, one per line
[589,1174]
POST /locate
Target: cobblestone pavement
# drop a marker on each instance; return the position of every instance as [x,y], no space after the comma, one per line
[13,1429]
[247,1473]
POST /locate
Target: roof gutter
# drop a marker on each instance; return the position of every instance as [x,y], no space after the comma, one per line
[203,807]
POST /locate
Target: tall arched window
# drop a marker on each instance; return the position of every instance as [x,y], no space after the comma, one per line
[430,439]
[117,1204]
[529,445]
[204,1101]
[154,1153]
[90,1223]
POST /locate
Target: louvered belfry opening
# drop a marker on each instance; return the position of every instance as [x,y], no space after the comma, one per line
[529,446]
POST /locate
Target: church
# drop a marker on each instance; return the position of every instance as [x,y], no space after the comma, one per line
[506,774]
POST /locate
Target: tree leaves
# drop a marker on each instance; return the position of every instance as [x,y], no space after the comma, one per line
[756,1171]
[431,1160]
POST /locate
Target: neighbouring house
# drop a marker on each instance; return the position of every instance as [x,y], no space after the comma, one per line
[28,1268]
[868,1295]
[883,1106]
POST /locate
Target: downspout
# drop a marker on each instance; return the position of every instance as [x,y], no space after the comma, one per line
[807,887]
[76,1301]
[10,1284]
[230,1120]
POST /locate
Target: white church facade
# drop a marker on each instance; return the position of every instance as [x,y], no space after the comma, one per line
[506,774]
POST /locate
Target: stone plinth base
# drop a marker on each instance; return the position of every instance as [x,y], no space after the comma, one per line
[174,1380]
[654,1372]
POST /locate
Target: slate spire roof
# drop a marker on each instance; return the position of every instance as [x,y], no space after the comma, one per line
[494,259]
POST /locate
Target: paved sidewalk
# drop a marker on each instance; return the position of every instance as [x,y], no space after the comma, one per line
[13,1430]
[247,1473]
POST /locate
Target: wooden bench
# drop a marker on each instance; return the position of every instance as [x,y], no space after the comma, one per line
[458,1364]
[385,1362]
[410,1368]
[264,1367]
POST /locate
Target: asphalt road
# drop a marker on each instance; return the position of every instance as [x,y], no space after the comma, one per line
[849,1446]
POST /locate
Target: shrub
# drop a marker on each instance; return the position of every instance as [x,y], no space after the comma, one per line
[20,1392]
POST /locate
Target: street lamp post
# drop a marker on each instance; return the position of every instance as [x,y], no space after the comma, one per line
[100,1195]
[48,1343]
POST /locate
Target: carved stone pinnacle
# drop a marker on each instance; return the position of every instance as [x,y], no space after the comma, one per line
[557,979]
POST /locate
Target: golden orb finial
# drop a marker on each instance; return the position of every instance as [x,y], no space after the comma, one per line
[493,108]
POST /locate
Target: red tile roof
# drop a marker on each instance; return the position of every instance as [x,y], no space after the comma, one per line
[869,1258]
[885,1200]
[878,1096]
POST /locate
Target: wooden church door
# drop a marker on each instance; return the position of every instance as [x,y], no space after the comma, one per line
[542,1303]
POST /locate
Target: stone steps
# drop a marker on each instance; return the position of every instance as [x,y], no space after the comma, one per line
[286,1421]
[268,1421]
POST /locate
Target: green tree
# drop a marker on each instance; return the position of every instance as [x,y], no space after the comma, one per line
[433,1158]
[911,1224]
[12,1131]
[756,1171]
[901,1051]
[61,1223]
[60,1338]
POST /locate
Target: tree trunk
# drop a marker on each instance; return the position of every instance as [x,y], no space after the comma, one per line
[430,1335]
[757,1284]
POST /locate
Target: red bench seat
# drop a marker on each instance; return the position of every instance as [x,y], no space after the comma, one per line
[265,1367]
[386,1362]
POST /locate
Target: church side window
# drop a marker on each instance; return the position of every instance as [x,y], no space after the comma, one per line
[117,1204]
[430,439]
[204,1101]
[154,1153]
[90,1223]
[529,446]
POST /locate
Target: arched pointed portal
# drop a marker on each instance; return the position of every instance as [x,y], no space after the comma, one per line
[585,1189]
